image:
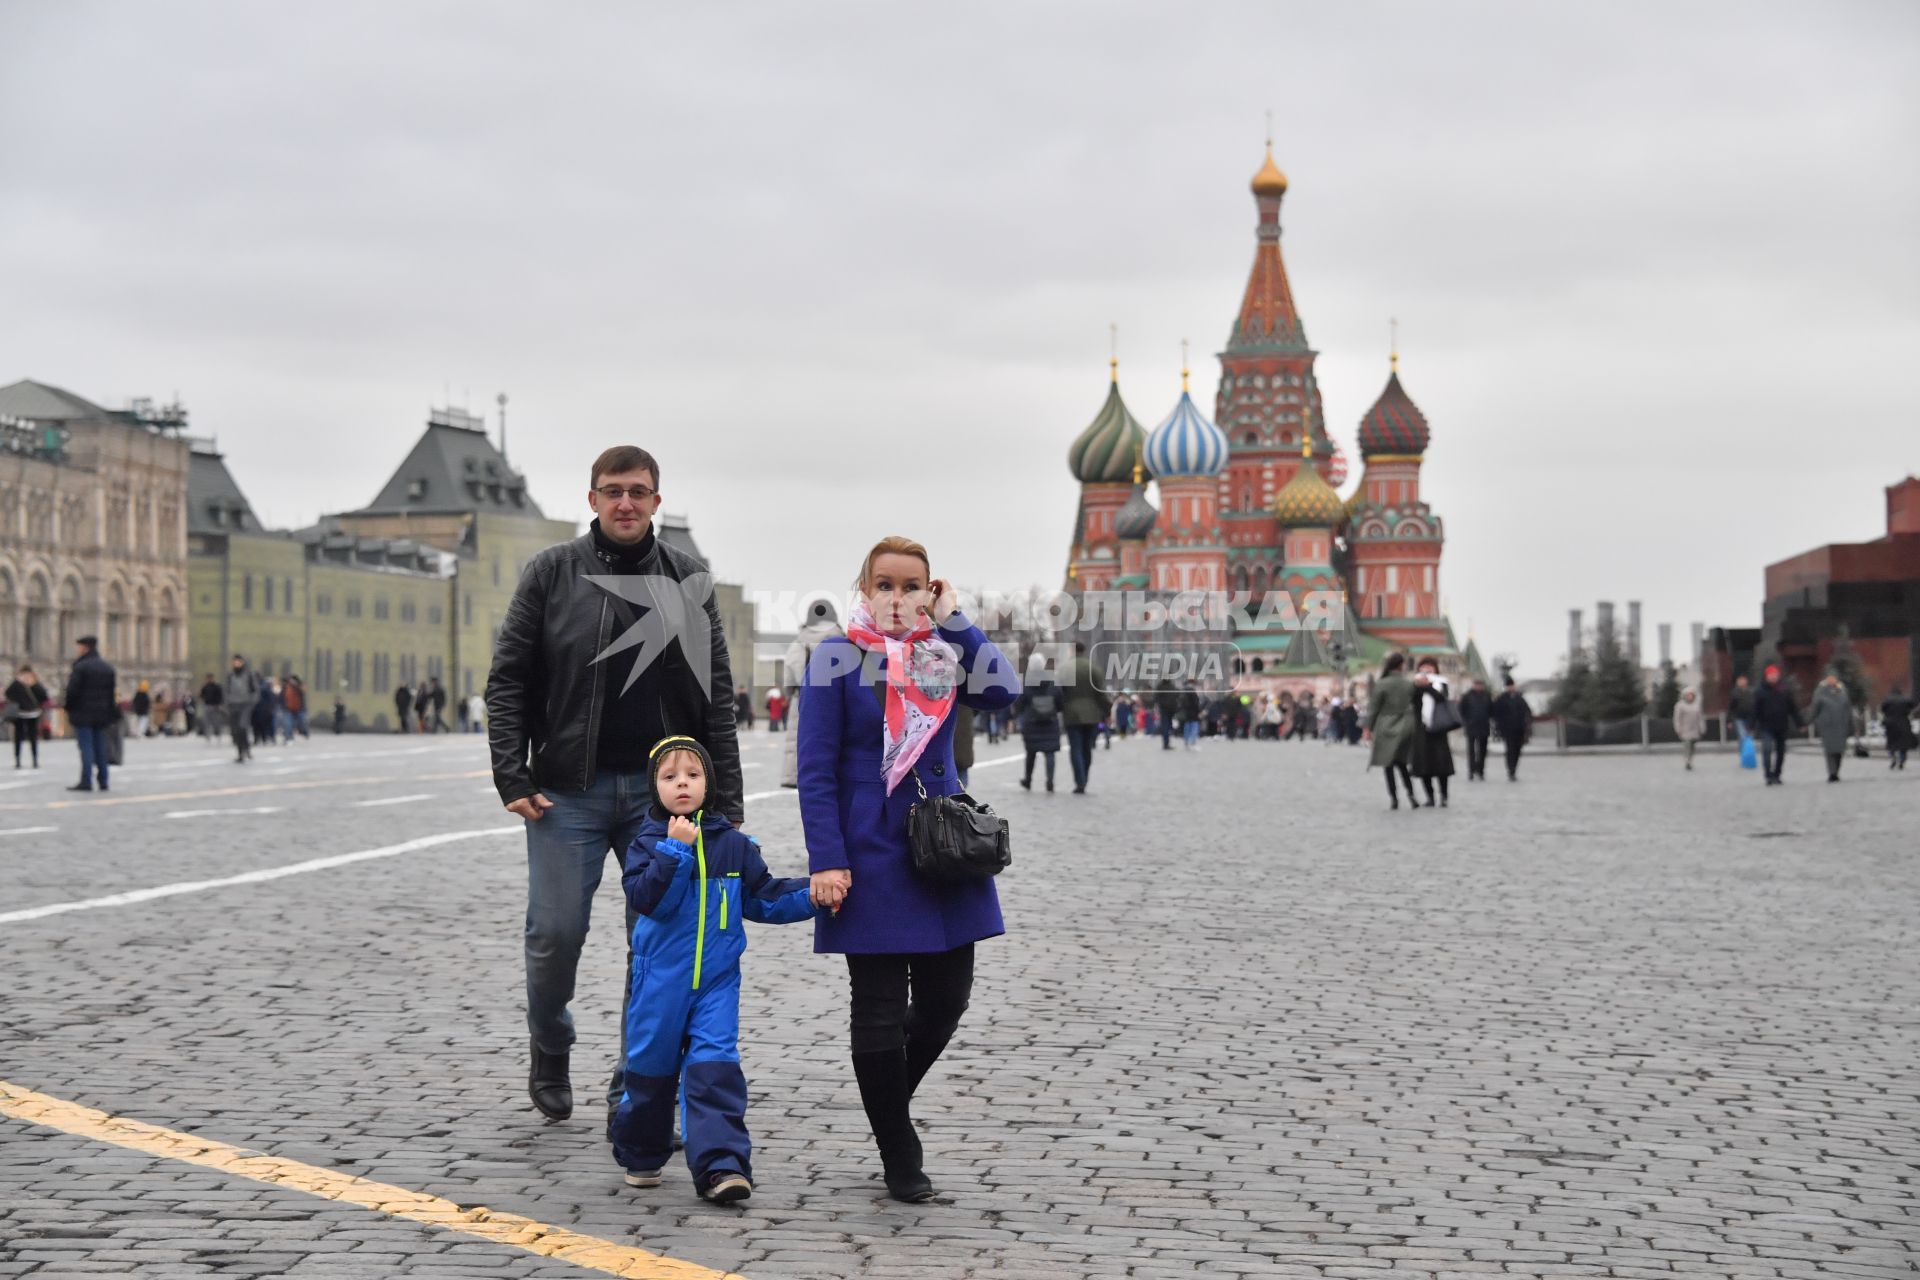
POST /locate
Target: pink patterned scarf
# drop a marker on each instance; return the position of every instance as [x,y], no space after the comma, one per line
[923,678]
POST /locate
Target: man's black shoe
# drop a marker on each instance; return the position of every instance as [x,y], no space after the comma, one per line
[79,788]
[548,1085]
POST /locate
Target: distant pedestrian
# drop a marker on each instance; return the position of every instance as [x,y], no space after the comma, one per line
[422,706]
[1775,716]
[142,710]
[1190,709]
[1896,714]
[1166,709]
[1832,717]
[1087,706]
[1432,754]
[91,708]
[437,699]
[776,709]
[1514,719]
[1689,723]
[1740,705]
[822,622]
[240,695]
[339,715]
[212,700]
[293,696]
[1476,718]
[476,713]
[266,713]
[26,702]
[1391,718]
[403,708]
[1038,710]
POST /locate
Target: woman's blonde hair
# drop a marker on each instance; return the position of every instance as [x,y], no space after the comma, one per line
[894,546]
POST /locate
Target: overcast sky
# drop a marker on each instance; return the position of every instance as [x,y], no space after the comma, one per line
[848,269]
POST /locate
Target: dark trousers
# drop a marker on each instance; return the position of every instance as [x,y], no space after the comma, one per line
[1773,753]
[93,753]
[26,731]
[1031,753]
[899,999]
[241,723]
[1833,763]
[1477,753]
[1080,740]
[1514,748]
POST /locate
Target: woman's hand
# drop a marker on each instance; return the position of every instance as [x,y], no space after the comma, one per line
[683,830]
[946,602]
[830,888]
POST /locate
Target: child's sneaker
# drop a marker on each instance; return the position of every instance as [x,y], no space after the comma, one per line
[727,1188]
[643,1177]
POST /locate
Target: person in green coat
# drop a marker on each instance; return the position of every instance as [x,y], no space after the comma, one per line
[1390,718]
[1832,717]
[1085,707]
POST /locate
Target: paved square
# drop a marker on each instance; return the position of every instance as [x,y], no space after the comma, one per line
[1613,1020]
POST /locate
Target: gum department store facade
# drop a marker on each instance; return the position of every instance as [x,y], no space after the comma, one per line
[1248,504]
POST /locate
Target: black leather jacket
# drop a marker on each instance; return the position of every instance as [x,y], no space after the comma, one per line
[89,694]
[545,693]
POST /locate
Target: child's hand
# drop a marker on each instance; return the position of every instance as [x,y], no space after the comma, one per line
[683,830]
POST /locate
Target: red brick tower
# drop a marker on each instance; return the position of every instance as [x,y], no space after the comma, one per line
[1267,391]
[1395,537]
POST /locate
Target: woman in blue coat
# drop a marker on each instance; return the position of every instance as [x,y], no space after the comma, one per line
[876,728]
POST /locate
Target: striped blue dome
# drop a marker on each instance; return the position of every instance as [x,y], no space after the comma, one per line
[1186,444]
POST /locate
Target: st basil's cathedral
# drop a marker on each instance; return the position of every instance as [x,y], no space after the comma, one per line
[1248,501]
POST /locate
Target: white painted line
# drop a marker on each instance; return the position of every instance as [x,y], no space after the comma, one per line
[371,804]
[28,831]
[15,786]
[255,877]
[222,813]
[988,764]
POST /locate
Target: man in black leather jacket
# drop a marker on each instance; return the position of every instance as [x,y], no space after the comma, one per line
[570,725]
[91,710]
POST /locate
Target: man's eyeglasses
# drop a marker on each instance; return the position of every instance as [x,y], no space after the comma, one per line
[613,492]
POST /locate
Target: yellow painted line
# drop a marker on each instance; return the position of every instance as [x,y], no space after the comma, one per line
[112,798]
[508,1229]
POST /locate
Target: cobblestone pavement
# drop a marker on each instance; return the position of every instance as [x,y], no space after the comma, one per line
[1614,1020]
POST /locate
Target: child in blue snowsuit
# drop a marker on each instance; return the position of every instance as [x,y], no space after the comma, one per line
[695,881]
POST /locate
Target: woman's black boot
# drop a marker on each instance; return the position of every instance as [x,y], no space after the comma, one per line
[885,1091]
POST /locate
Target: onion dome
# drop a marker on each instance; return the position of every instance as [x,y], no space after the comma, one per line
[1104,452]
[1308,500]
[1136,519]
[1394,424]
[1186,444]
[1269,181]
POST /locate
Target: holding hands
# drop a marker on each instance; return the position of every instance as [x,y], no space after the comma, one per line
[830,888]
[683,830]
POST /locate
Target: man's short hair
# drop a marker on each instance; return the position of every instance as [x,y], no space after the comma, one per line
[621,459]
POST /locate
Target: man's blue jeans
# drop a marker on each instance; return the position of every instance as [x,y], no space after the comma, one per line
[566,853]
[1191,732]
[93,753]
[1080,740]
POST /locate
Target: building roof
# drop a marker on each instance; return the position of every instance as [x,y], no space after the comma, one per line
[1104,452]
[678,534]
[44,403]
[1186,443]
[215,502]
[1394,424]
[1269,181]
[454,466]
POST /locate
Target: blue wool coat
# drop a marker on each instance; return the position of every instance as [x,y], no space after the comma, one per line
[850,821]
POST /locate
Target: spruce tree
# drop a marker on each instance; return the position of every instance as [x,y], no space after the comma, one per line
[1576,688]
[1846,665]
[1668,694]
[1617,693]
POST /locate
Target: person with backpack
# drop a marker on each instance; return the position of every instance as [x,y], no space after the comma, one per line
[1038,708]
[240,696]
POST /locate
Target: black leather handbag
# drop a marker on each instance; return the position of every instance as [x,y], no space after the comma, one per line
[956,838]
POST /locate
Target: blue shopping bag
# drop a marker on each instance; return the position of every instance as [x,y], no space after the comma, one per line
[1749,758]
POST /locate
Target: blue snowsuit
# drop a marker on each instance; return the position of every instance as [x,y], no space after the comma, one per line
[683,1015]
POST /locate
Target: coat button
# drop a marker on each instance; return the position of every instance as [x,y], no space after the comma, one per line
[939,771]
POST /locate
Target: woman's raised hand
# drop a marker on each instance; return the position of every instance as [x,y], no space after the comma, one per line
[829,888]
[945,601]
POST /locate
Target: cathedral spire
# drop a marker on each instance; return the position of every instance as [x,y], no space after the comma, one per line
[1268,319]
